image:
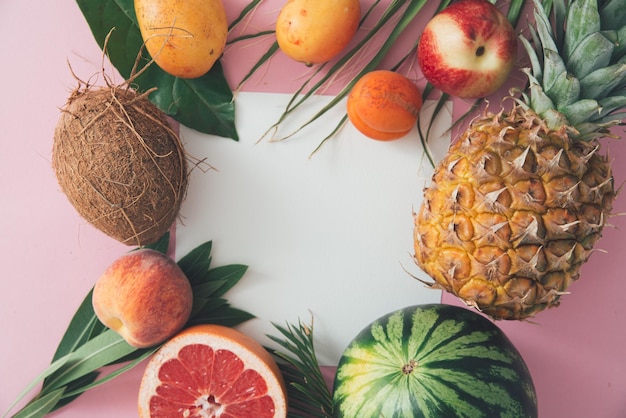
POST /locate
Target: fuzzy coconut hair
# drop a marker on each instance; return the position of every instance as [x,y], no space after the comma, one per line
[119,162]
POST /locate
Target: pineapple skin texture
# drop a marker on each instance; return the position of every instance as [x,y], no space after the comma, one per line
[512,213]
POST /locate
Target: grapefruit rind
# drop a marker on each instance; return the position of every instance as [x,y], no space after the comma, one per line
[248,350]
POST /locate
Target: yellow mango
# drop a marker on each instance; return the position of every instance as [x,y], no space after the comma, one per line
[315,31]
[184,37]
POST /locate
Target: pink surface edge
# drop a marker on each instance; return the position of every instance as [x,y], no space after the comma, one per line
[51,257]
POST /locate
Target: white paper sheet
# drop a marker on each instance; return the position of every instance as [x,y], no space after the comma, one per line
[328,237]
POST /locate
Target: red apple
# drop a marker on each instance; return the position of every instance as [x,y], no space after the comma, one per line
[468,49]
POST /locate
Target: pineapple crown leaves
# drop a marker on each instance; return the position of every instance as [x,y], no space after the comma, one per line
[577,73]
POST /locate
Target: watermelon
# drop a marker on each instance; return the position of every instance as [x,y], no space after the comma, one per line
[433,360]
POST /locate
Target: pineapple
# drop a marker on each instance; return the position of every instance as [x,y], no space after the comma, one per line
[515,207]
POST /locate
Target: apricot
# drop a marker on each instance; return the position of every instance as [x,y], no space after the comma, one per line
[384,105]
[184,37]
[144,296]
[316,31]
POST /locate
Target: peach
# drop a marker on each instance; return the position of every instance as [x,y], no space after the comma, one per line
[468,50]
[144,296]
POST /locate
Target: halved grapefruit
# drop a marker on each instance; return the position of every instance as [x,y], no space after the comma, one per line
[212,371]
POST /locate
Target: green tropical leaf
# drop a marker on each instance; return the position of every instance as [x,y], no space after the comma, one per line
[207,308]
[205,104]
[424,135]
[75,388]
[87,345]
[204,291]
[340,124]
[515,10]
[219,311]
[228,276]
[196,263]
[264,58]
[162,245]
[79,386]
[52,368]
[308,394]
[41,406]
[244,13]
[79,330]
[89,357]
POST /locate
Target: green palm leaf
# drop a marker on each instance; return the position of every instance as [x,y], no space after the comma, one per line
[87,345]
[401,14]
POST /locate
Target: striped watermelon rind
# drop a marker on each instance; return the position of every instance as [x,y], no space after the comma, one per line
[433,360]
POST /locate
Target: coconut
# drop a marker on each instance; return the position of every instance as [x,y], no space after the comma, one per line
[120,163]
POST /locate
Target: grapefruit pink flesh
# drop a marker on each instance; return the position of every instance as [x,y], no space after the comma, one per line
[202,382]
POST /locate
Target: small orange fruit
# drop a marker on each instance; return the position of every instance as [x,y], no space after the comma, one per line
[315,31]
[384,105]
[212,371]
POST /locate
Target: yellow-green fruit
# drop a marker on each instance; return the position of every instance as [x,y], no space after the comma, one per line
[184,37]
[512,213]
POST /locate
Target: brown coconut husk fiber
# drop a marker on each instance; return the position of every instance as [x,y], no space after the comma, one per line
[120,163]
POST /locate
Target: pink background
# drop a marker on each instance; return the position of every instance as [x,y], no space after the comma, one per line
[51,257]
